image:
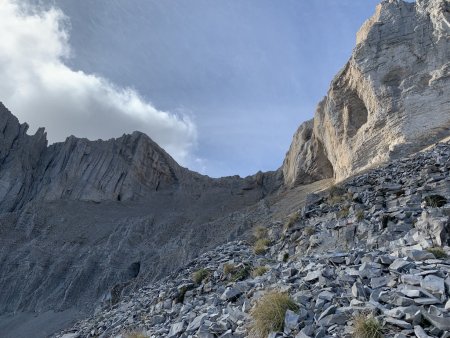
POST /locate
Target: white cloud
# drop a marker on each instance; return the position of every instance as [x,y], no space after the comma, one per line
[41,90]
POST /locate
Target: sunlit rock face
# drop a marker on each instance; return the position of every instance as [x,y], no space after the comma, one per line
[391,98]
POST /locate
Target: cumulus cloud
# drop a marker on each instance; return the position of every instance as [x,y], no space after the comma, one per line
[41,90]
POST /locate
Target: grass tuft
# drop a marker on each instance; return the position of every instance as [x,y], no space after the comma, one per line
[261,246]
[360,215]
[435,201]
[199,275]
[293,218]
[309,230]
[260,232]
[367,327]
[438,252]
[268,313]
[135,335]
[229,268]
[259,271]
[344,212]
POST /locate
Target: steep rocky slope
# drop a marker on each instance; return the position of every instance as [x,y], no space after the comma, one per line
[84,223]
[392,97]
[81,218]
[368,246]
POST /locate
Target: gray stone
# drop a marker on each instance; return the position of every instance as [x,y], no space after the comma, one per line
[358,291]
[420,332]
[419,255]
[400,265]
[313,276]
[438,322]
[291,320]
[231,293]
[434,284]
[176,329]
[397,322]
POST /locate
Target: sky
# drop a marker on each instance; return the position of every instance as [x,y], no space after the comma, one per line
[221,85]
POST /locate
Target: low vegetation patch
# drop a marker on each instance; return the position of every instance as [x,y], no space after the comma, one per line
[259,271]
[200,275]
[367,326]
[135,335]
[344,212]
[438,252]
[268,313]
[337,195]
[241,273]
[293,218]
[261,246]
[435,201]
[260,232]
[310,230]
[360,215]
[229,268]
[285,257]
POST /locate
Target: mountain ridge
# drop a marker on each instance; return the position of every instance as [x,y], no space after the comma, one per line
[83,223]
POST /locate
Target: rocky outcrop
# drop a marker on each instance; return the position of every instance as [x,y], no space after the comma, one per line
[391,98]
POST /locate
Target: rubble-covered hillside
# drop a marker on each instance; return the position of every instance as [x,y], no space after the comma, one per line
[368,258]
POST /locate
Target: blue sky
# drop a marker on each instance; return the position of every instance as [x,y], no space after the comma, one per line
[243,73]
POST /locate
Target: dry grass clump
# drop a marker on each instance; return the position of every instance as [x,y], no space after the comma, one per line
[367,326]
[261,246]
[229,268]
[199,275]
[360,215]
[268,314]
[260,232]
[337,195]
[236,273]
[293,218]
[135,335]
[261,240]
[344,212]
[309,230]
[259,271]
[438,252]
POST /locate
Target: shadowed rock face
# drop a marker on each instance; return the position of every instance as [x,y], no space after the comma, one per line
[391,98]
[80,220]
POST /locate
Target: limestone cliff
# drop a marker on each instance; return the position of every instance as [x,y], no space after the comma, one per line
[391,98]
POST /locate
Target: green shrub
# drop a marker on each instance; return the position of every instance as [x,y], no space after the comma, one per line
[199,275]
[261,246]
[438,252]
[259,271]
[367,327]
[435,201]
[285,257]
[268,313]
